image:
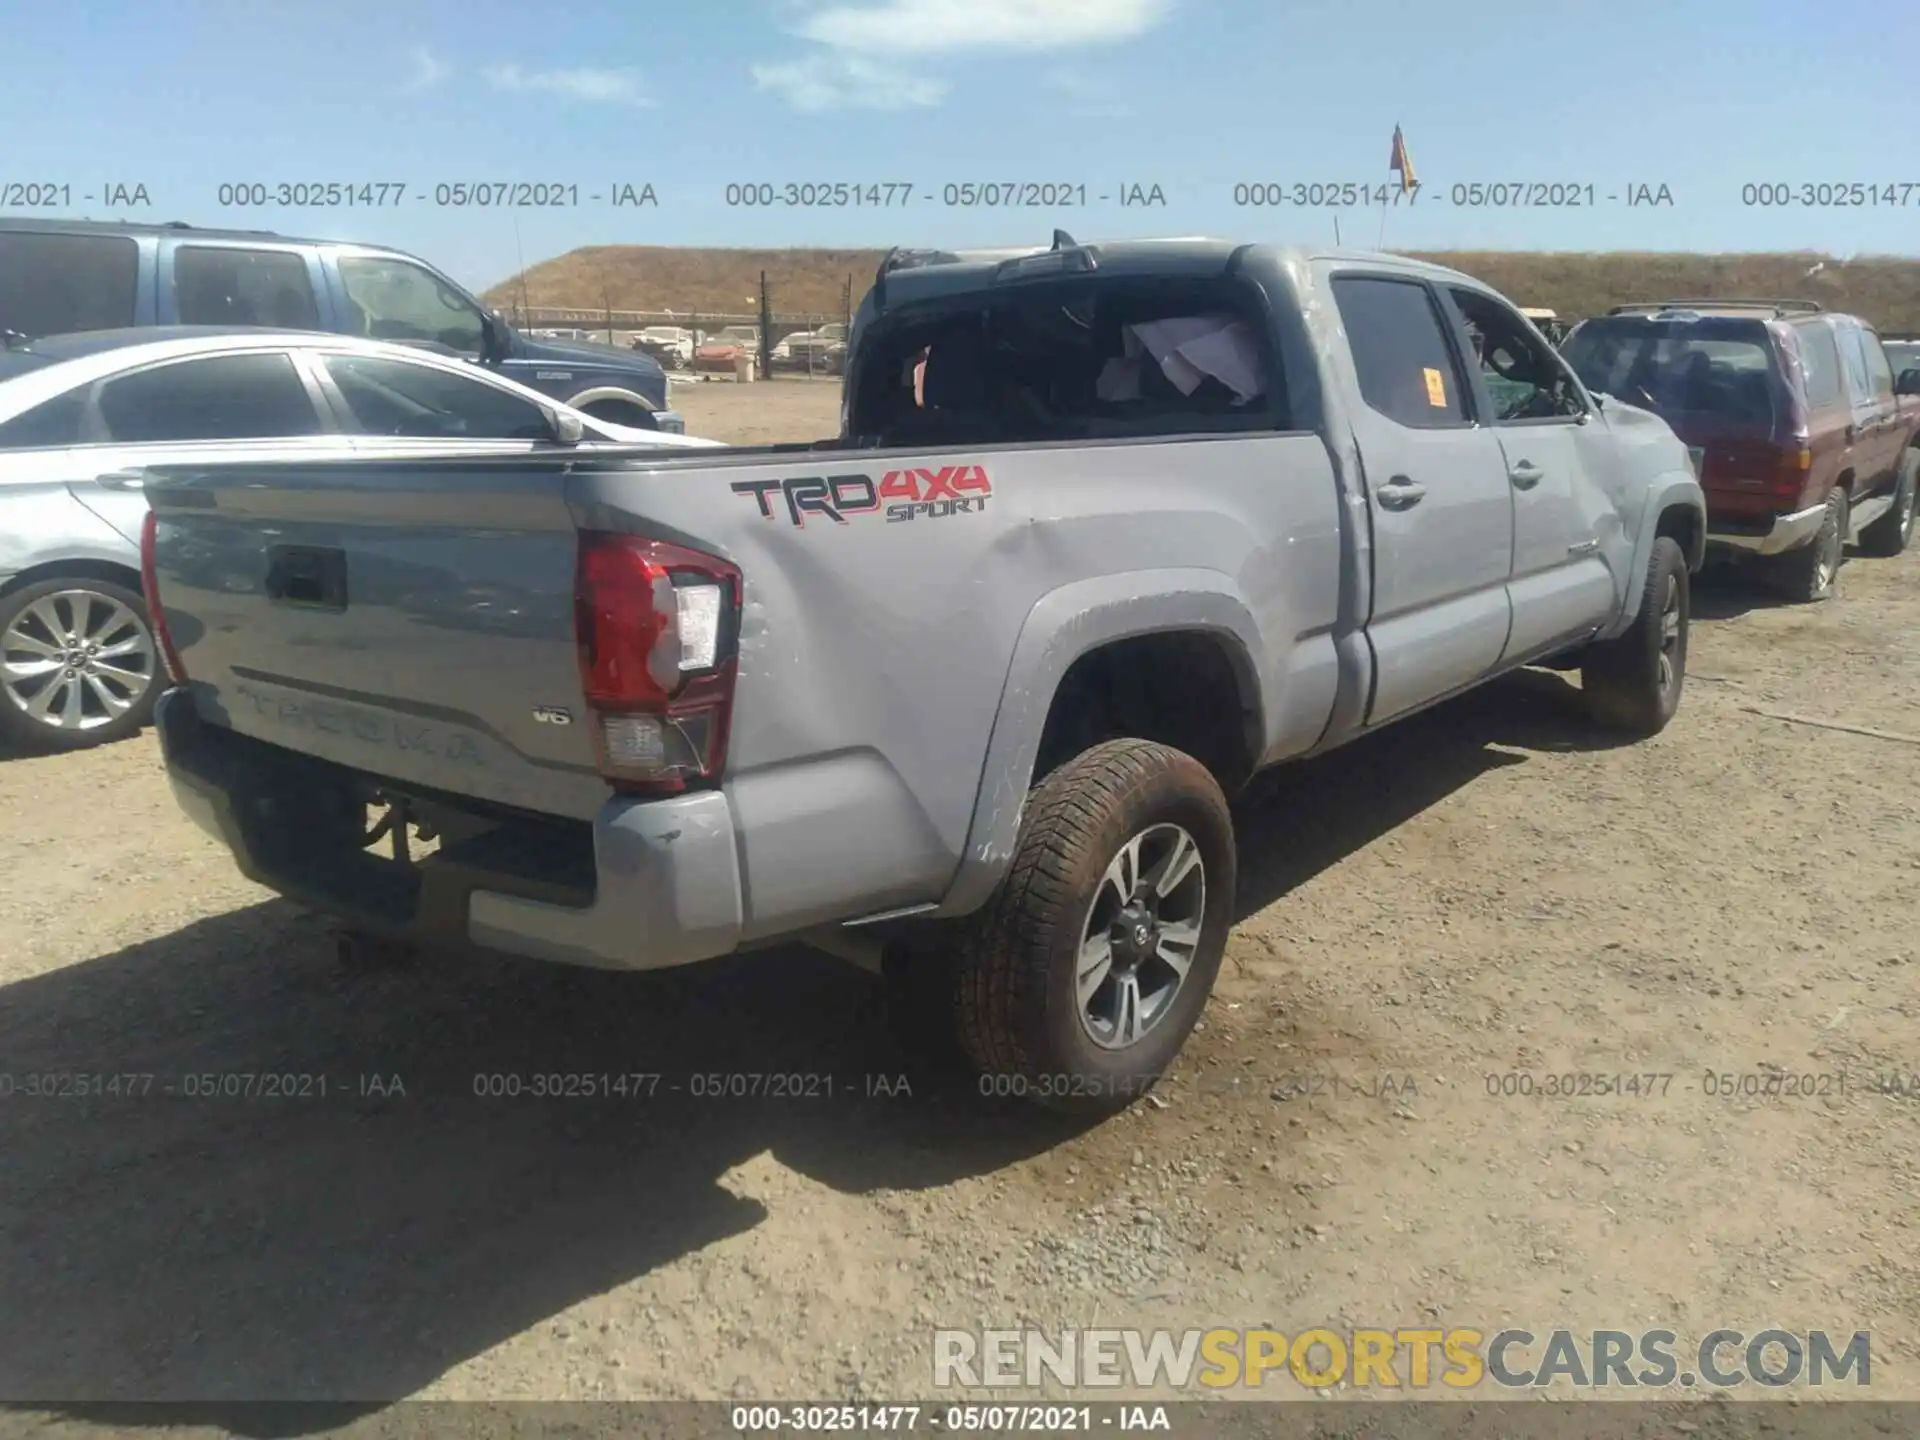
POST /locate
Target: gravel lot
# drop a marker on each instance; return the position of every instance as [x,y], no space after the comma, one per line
[1488,889]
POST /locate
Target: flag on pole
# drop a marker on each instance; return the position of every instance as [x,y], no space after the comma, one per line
[1401,163]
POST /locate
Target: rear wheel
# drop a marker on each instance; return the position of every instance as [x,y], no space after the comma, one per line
[1890,533]
[1812,571]
[78,664]
[1083,975]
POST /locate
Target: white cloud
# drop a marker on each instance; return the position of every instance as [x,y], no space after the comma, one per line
[1088,95]
[427,71]
[926,27]
[847,82]
[610,87]
[844,71]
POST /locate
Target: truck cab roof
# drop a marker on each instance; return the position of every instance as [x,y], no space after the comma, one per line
[910,277]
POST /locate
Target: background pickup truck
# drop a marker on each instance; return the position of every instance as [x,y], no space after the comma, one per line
[959,694]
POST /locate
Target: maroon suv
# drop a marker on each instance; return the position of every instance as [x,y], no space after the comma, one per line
[1803,435]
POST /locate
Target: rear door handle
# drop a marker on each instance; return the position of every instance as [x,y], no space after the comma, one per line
[1400,493]
[121,480]
[1525,475]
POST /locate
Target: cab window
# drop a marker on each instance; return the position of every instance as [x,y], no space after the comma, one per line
[1124,358]
[392,299]
[1400,354]
[232,285]
[1524,377]
[219,397]
[53,284]
[391,397]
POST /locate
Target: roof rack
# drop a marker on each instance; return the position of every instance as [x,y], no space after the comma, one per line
[1778,307]
[223,230]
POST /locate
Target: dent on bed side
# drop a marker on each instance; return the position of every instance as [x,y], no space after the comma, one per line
[1064,625]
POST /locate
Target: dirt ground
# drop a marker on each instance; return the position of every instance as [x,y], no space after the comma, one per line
[1487,890]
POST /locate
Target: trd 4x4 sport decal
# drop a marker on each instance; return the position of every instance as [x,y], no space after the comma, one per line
[905,494]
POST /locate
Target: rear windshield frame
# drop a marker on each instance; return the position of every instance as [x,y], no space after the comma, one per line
[890,340]
[1651,375]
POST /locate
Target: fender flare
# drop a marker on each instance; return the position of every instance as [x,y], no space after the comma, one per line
[594,394]
[1062,626]
[1665,492]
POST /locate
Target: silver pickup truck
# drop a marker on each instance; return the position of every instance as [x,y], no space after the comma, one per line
[1107,530]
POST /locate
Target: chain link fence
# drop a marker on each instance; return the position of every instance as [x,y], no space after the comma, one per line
[779,344]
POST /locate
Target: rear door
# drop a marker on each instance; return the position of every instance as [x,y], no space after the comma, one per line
[205,408]
[1886,430]
[1823,378]
[1861,440]
[1437,494]
[224,282]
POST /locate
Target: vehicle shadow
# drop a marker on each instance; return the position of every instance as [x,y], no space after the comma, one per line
[1726,590]
[369,1222]
[1301,819]
[295,1190]
[11,750]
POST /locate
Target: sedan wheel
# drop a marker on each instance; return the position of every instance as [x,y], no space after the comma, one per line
[78,664]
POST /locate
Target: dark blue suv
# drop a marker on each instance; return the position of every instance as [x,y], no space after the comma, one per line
[62,276]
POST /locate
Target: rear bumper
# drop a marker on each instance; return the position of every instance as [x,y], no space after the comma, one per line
[1767,536]
[661,886]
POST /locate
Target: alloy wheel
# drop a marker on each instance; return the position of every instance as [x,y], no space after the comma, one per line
[76,660]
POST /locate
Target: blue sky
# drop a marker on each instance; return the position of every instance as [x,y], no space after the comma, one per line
[1191,95]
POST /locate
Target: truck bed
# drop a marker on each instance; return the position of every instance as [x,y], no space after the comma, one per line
[413,622]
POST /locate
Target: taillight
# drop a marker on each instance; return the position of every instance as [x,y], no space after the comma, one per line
[1776,473]
[657,626]
[1790,478]
[150,589]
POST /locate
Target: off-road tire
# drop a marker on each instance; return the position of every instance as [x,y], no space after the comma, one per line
[1811,572]
[1889,535]
[1626,685]
[18,729]
[1019,1018]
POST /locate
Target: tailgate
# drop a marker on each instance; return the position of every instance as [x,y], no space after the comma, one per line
[409,619]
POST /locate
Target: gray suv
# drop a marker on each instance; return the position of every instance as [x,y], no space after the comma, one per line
[61,276]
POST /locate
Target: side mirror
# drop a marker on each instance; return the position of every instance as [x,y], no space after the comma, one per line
[493,335]
[1908,383]
[565,427]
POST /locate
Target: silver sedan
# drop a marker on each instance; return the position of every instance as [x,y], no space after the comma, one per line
[80,415]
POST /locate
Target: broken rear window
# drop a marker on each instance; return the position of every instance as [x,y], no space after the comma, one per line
[1081,359]
[1713,365]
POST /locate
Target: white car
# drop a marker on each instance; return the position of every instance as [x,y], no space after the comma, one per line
[671,345]
[80,415]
